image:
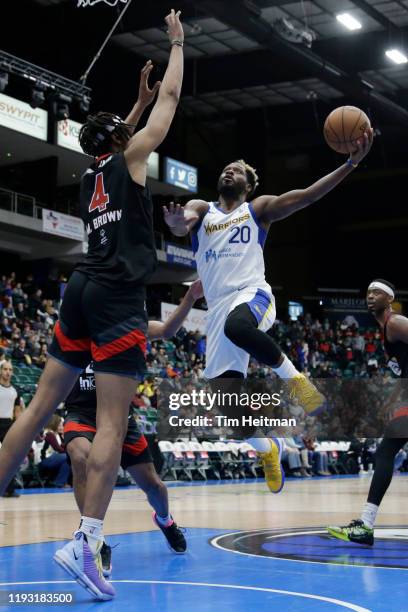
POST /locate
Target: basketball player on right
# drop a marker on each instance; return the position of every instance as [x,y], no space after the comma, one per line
[380,295]
[228,238]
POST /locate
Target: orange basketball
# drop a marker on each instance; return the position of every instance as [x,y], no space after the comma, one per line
[344,126]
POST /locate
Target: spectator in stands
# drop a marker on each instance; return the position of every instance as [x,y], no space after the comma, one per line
[8,310]
[21,313]
[40,360]
[368,452]
[54,462]
[294,410]
[400,459]
[15,332]
[48,336]
[304,454]
[291,456]
[146,387]
[18,294]
[22,354]
[162,357]
[319,459]
[9,398]
[6,328]
[35,303]
[200,347]
[293,444]
[29,285]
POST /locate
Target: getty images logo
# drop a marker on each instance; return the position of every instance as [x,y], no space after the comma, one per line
[210,254]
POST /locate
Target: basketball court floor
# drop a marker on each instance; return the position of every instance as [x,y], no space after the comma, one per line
[247,549]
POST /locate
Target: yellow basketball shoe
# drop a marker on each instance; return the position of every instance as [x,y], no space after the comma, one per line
[271,463]
[311,400]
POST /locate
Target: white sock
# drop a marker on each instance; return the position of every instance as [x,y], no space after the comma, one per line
[260,444]
[369,515]
[165,521]
[286,369]
[92,528]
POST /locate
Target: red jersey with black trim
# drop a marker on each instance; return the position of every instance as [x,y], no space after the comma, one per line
[118,218]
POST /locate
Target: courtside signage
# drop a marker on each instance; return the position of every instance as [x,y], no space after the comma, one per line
[179,255]
[59,224]
[195,320]
[19,116]
[181,175]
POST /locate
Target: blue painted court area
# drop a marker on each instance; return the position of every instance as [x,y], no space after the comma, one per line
[211,578]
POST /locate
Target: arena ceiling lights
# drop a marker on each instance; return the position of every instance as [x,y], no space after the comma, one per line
[45,84]
[348,21]
[396,56]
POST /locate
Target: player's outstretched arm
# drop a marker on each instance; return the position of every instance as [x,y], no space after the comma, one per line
[145,97]
[152,135]
[158,329]
[273,208]
[182,219]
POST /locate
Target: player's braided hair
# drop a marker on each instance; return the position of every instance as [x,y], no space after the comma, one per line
[252,176]
[95,136]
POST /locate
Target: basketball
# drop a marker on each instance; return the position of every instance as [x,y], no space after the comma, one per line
[344,126]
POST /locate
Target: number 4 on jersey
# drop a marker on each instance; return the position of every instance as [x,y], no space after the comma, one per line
[100,198]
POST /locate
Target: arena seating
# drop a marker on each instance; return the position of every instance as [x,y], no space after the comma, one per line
[319,348]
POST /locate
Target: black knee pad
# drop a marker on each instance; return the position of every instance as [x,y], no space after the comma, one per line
[239,323]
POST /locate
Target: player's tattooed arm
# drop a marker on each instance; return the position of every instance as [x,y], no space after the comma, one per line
[182,219]
[146,96]
[158,329]
[397,329]
[273,208]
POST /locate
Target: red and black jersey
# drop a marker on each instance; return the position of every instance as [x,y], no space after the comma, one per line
[82,398]
[118,218]
[397,351]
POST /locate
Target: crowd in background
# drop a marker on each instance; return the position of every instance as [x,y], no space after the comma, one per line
[27,321]
[322,349]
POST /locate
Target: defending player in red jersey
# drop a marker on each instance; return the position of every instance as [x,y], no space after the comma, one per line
[80,429]
[103,317]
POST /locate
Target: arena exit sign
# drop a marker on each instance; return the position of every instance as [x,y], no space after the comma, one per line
[179,174]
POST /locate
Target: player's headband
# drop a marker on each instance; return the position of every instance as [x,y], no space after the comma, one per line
[382,287]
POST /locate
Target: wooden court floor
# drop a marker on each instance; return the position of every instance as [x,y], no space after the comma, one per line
[43,517]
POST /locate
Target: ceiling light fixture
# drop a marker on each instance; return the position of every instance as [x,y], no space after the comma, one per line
[398,57]
[348,21]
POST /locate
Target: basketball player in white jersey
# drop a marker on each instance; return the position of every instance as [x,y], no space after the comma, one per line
[228,238]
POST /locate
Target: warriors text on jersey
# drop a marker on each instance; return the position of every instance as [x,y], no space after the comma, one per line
[228,249]
[117,213]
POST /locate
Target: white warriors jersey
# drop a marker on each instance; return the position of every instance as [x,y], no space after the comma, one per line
[228,249]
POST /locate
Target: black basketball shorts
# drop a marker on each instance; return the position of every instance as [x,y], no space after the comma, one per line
[104,325]
[80,423]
